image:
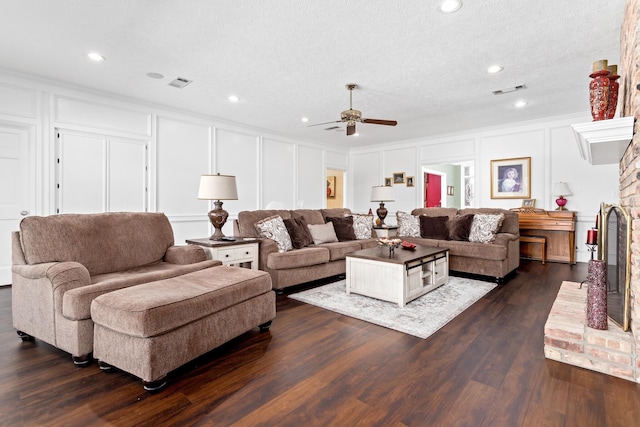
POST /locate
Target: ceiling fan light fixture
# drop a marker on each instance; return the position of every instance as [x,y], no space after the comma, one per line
[450,6]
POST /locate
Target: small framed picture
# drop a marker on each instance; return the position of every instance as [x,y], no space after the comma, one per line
[409,181]
[449,190]
[388,182]
[398,177]
[528,203]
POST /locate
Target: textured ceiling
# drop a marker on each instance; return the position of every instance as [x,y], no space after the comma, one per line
[288,59]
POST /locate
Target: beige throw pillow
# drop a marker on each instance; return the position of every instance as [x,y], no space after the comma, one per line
[484,227]
[273,228]
[323,233]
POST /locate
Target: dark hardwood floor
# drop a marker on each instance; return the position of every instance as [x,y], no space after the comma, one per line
[319,368]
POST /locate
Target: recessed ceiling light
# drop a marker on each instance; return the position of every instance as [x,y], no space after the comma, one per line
[96,57]
[233,98]
[520,104]
[494,69]
[155,75]
[305,119]
[450,6]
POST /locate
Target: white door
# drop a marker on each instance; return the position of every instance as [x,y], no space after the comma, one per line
[14,189]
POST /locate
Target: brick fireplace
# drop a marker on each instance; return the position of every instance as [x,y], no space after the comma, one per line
[567,338]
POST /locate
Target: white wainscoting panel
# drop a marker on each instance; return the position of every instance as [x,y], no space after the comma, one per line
[17,101]
[310,178]
[182,154]
[366,172]
[277,174]
[238,154]
[443,152]
[101,116]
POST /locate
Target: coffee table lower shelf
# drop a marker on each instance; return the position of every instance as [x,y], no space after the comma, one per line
[399,279]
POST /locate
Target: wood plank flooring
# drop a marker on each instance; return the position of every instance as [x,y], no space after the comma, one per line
[319,368]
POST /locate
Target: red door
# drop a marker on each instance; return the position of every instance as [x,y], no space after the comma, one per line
[432,190]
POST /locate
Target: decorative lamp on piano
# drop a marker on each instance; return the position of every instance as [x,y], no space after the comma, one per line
[381,193]
[218,187]
[561,189]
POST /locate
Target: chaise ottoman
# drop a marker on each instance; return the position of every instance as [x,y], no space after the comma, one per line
[151,329]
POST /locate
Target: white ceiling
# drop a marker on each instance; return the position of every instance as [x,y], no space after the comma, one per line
[288,59]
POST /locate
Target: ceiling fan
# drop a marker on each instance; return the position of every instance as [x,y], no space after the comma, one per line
[351,116]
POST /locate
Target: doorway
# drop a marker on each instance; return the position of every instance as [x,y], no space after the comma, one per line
[433,182]
[335,188]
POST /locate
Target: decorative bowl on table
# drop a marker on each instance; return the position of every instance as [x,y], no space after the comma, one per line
[407,245]
[392,244]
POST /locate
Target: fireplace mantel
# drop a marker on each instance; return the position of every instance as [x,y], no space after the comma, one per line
[605,141]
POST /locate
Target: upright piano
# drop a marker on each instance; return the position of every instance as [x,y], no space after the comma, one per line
[559,229]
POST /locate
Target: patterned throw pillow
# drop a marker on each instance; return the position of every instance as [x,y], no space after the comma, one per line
[362,225]
[408,225]
[484,227]
[273,228]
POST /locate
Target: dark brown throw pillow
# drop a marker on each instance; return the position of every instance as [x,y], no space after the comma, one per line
[344,227]
[460,227]
[434,227]
[299,232]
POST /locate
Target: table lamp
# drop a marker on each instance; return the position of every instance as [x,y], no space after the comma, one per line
[381,193]
[561,189]
[218,187]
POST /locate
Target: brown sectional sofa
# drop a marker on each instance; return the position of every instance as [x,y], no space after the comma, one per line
[62,263]
[496,259]
[299,265]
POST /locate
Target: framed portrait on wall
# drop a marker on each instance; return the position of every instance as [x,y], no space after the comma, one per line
[331,187]
[409,181]
[398,177]
[388,182]
[511,178]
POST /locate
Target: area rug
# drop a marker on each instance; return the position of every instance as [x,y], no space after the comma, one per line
[421,317]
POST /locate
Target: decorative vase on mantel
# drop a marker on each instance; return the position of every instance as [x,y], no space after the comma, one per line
[599,90]
[612,102]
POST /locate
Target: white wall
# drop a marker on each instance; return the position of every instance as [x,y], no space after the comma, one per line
[554,157]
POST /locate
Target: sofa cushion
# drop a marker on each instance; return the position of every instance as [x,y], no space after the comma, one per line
[408,225]
[312,216]
[304,257]
[475,250]
[334,212]
[343,226]
[362,226]
[154,308]
[460,226]
[339,250]
[273,228]
[76,303]
[434,227]
[484,227]
[323,233]
[103,243]
[299,232]
[450,212]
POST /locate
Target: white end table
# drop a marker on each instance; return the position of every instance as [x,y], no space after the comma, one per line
[242,252]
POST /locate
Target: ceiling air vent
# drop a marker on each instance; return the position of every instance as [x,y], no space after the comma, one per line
[509,89]
[179,82]
[333,128]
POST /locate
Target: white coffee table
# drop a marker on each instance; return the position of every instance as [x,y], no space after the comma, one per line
[400,278]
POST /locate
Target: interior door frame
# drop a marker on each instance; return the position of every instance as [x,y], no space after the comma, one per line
[443,186]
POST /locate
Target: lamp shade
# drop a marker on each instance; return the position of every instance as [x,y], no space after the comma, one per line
[218,187]
[381,193]
[561,189]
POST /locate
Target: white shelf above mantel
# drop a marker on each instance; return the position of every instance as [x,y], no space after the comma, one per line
[604,142]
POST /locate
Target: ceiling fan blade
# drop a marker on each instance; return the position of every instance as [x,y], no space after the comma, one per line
[380,122]
[351,129]
[326,123]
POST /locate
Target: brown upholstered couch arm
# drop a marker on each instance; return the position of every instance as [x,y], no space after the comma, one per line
[267,246]
[186,254]
[504,238]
